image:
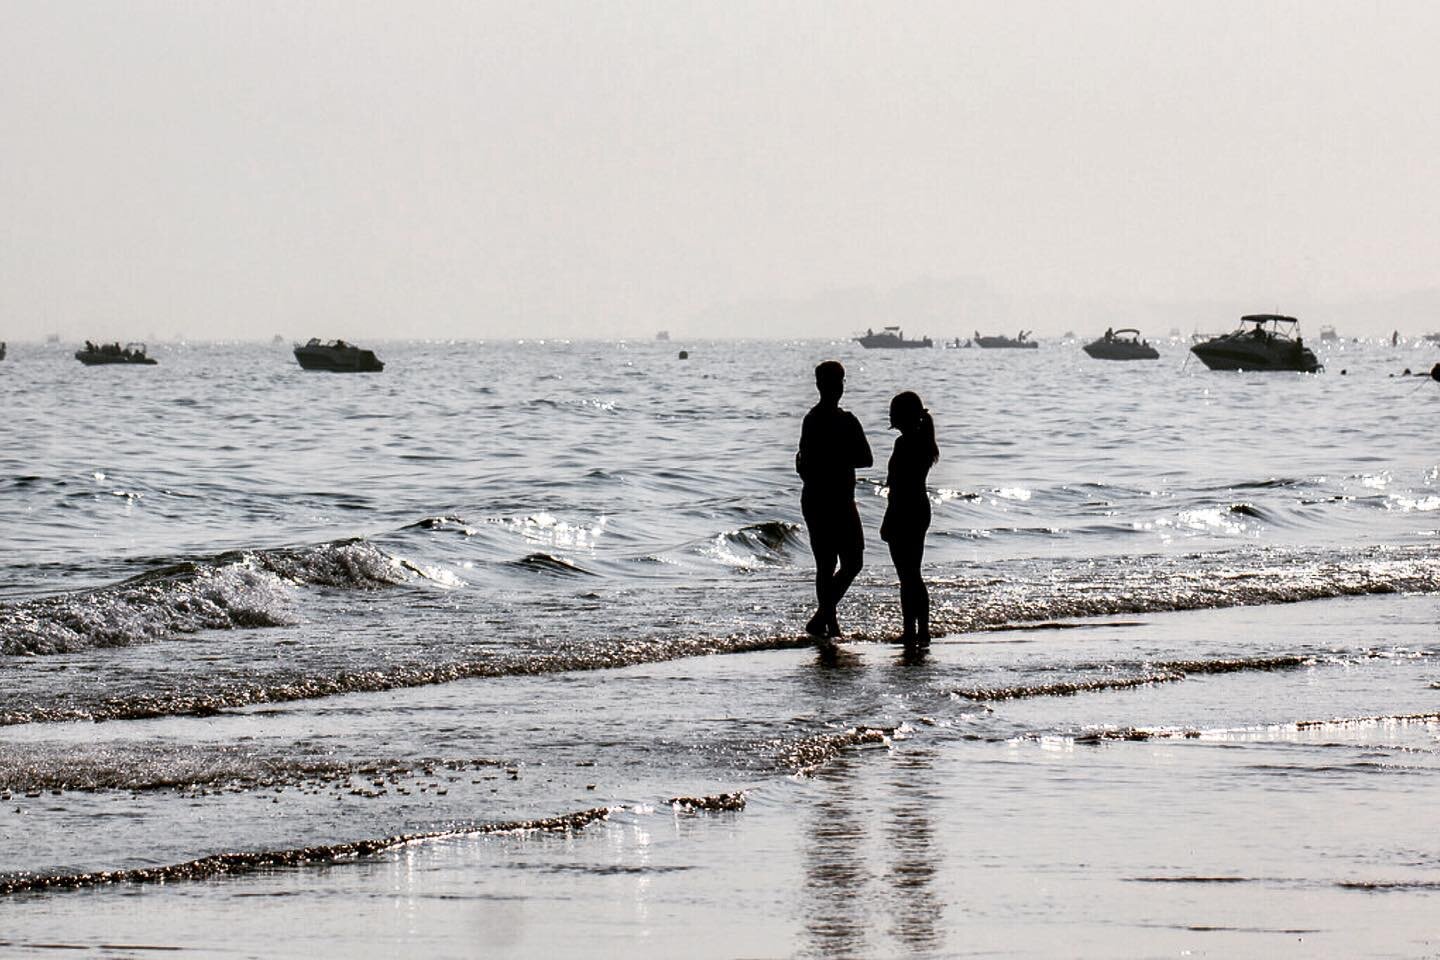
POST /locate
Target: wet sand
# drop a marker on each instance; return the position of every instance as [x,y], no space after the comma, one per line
[1277,802]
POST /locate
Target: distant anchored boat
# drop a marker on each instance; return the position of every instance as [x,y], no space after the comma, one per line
[2,349]
[891,338]
[337,356]
[1264,341]
[1123,344]
[95,354]
[1022,342]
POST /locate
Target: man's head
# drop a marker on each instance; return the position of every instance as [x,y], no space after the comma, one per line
[830,380]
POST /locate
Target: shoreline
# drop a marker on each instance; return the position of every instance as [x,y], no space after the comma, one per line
[1243,813]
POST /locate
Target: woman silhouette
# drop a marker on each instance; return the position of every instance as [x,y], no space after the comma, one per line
[907,516]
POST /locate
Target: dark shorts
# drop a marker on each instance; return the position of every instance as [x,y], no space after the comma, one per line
[834,528]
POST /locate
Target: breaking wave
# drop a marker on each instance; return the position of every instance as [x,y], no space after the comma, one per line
[546,563]
[233,590]
[758,545]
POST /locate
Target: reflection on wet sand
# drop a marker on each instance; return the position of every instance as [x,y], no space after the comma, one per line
[836,869]
[916,914]
[847,834]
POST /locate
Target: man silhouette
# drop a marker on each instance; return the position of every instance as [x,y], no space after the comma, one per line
[832,446]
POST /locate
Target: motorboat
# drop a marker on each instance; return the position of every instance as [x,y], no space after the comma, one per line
[1328,334]
[1022,342]
[337,356]
[891,338]
[1263,341]
[1122,344]
[96,354]
[663,335]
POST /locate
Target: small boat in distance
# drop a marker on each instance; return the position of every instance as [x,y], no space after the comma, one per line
[1328,334]
[1122,344]
[95,354]
[662,335]
[1021,342]
[1263,341]
[337,356]
[2,349]
[890,339]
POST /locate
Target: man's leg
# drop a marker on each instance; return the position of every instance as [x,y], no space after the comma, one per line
[824,587]
[852,558]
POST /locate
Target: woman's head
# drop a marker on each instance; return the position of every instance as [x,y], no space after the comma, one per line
[909,416]
[906,411]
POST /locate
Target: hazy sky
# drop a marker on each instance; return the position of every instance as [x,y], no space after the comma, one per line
[475,169]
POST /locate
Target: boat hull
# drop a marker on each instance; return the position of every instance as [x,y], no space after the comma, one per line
[95,359]
[1228,354]
[1120,350]
[347,360]
[1006,343]
[878,342]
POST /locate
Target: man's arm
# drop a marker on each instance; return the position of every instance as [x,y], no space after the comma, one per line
[804,444]
[862,457]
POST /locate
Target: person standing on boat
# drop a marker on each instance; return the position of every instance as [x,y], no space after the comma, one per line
[832,447]
[907,515]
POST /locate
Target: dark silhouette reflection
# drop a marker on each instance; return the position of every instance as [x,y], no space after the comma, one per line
[845,898]
[828,654]
[836,869]
[914,654]
[917,909]
[907,516]
[832,447]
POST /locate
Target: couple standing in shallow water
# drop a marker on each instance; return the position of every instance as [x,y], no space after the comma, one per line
[832,447]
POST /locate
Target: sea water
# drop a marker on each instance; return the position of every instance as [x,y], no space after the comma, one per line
[253,617]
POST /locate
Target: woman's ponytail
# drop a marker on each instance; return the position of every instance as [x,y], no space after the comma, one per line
[927,435]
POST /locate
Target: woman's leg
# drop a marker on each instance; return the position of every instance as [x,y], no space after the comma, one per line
[905,553]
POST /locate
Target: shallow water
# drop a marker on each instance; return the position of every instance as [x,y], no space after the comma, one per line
[1233,813]
[475,589]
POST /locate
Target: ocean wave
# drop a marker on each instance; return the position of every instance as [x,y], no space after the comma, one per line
[1106,734]
[1119,586]
[217,696]
[231,591]
[546,563]
[442,523]
[1064,688]
[195,768]
[238,864]
[1165,671]
[755,545]
[806,755]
